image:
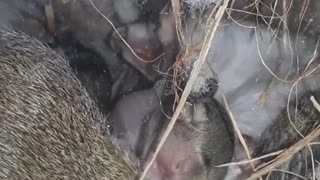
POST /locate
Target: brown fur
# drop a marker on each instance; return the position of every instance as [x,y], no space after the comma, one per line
[49,127]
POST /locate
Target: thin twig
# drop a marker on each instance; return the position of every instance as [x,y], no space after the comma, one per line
[249,161]
[312,163]
[287,154]
[288,172]
[177,15]
[304,75]
[237,129]
[315,103]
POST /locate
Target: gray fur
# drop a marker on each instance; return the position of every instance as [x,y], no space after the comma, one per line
[49,127]
[281,135]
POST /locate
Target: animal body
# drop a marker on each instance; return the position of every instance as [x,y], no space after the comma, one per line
[285,132]
[257,71]
[201,139]
[50,128]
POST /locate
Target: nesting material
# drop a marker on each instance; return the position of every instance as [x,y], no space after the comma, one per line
[199,4]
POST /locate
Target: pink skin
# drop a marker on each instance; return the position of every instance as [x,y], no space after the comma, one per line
[177,160]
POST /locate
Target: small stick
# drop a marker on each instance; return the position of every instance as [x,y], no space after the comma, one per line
[315,103]
[287,154]
[251,160]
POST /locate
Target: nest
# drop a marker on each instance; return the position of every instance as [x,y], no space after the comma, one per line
[275,14]
[270,13]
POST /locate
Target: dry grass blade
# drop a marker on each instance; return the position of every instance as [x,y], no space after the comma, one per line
[288,172]
[250,161]
[312,163]
[237,130]
[212,26]
[315,103]
[287,154]
[314,143]
[304,75]
[177,15]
